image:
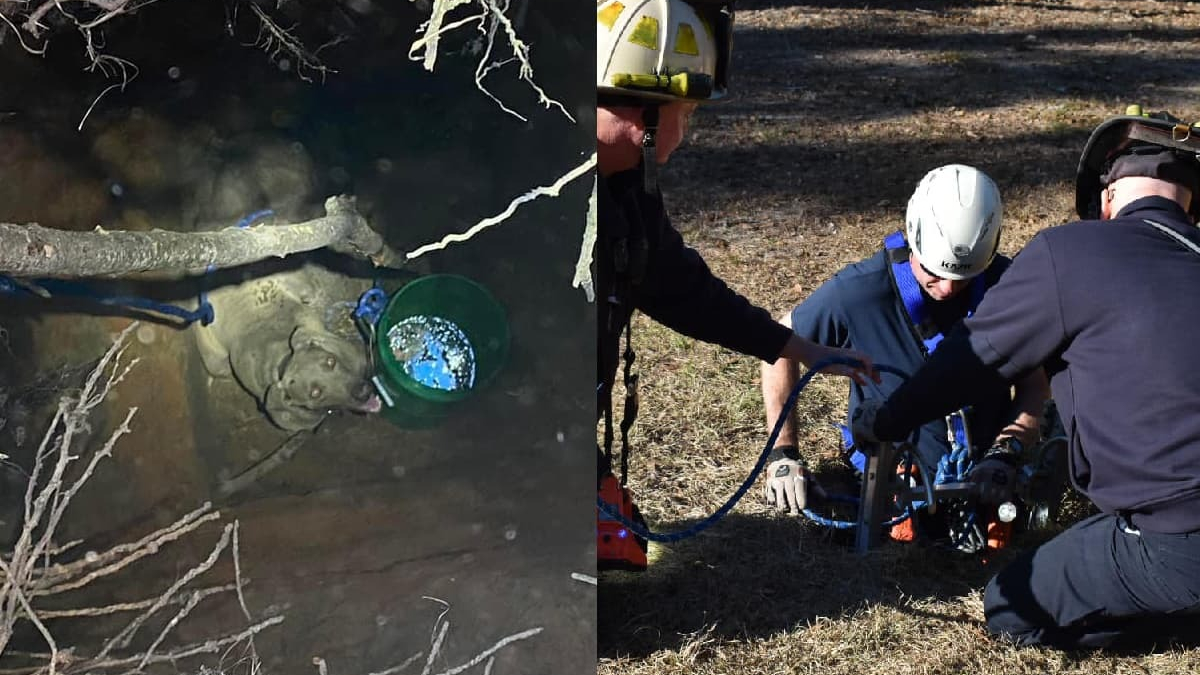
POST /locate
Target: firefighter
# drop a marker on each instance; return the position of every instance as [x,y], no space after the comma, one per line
[656,61]
[1106,306]
[897,305]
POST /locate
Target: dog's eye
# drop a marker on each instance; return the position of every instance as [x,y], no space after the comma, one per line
[315,392]
[330,362]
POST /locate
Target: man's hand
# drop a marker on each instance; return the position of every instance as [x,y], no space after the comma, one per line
[995,479]
[785,487]
[862,422]
[996,474]
[809,353]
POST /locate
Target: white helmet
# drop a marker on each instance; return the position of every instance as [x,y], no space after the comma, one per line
[663,49]
[954,221]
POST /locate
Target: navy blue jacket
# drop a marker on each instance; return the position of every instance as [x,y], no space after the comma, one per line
[665,279]
[1112,310]
[859,308]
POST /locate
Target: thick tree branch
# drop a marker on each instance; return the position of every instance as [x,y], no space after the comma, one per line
[36,251]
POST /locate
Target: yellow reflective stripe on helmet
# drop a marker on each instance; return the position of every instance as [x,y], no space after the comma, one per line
[645,33]
[680,84]
[685,41]
[608,15]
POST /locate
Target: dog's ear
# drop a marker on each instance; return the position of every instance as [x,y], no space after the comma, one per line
[286,414]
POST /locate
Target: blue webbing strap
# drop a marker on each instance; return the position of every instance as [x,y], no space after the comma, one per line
[952,467]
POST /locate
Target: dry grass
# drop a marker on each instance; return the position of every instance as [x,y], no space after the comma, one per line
[840,109]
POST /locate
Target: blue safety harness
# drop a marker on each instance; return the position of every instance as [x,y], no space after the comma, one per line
[953,466]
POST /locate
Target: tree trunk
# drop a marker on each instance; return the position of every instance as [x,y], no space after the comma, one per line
[35,251]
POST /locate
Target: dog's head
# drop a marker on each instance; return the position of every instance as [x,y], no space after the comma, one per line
[324,373]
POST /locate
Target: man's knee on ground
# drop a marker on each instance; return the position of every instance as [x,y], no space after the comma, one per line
[1005,620]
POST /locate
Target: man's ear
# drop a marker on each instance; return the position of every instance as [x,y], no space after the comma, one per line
[287,415]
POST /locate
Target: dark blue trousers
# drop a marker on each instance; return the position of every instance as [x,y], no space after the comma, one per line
[1101,583]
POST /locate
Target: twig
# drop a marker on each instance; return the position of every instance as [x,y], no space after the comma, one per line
[237,573]
[520,53]
[32,572]
[123,606]
[16,591]
[274,40]
[583,266]
[276,459]
[31,50]
[126,635]
[549,190]
[399,667]
[437,647]
[33,25]
[489,22]
[193,649]
[445,608]
[432,30]
[179,616]
[492,650]
[237,582]
[150,549]
[83,119]
[152,541]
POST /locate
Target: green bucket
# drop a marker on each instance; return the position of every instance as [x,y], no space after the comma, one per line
[432,301]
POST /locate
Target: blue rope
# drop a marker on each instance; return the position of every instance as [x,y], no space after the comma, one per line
[57,287]
[720,513]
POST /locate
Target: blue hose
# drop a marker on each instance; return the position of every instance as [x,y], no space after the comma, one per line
[720,513]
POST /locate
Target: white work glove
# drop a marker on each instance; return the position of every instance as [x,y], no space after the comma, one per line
[862,422]
[785,485]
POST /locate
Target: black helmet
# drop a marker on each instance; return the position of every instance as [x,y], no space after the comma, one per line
[1157,145]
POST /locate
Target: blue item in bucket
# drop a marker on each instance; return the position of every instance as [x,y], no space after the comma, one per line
[433,352]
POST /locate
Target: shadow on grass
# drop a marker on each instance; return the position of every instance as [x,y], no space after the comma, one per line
[754,576]
[818,111]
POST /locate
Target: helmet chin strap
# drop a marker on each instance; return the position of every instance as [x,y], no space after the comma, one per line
[649,150]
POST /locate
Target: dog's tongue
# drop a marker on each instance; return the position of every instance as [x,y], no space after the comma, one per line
[373,404]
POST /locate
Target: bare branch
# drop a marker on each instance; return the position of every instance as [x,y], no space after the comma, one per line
[583,266]
[179,616]
[32,615]
[121,556]
[126,635]
[193,649]
[276,41]
[400,666]
[125,606]
[490,20]
[35,251]
[31,50]
[278,457]
[548,190]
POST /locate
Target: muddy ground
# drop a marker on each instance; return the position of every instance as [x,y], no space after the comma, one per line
[483,513]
